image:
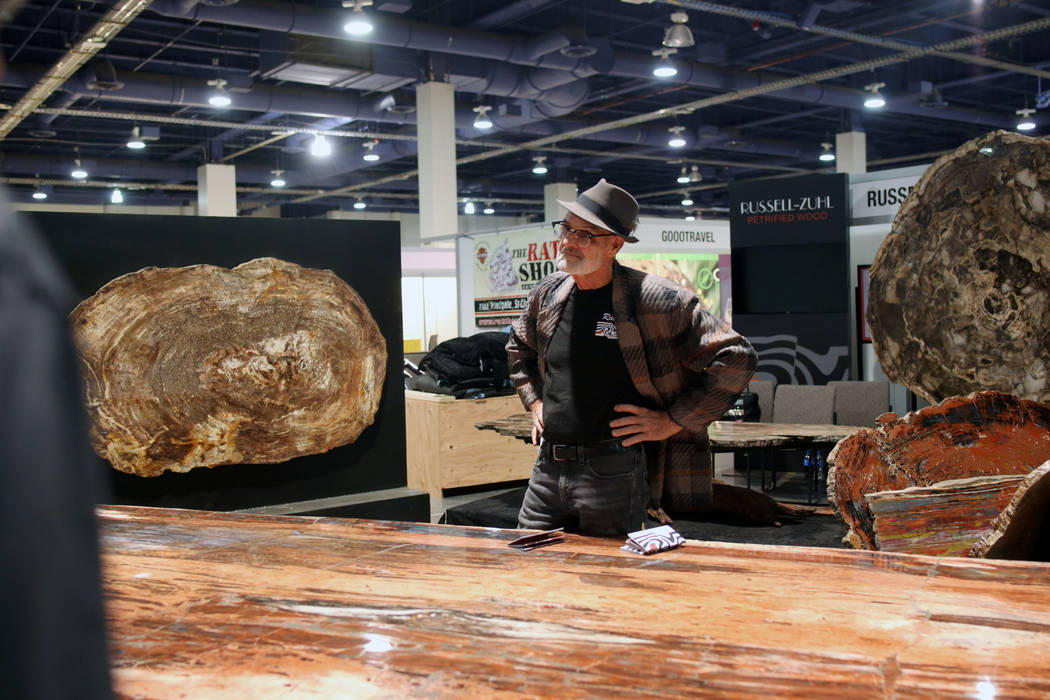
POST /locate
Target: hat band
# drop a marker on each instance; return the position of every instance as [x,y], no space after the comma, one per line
[602,213]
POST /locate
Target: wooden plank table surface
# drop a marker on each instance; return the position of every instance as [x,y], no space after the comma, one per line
[723,435]
[206,605]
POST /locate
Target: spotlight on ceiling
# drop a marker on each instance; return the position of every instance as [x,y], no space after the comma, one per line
[360,204]
[695,175]
[539,167]
[690,217]
[320,147]
[664,68]
[874,100]
[219,97]
[683,177]
[39,194]
[370,155]
[827,155]
[277,180]
[136,143]
[488,209]
[116,196]
[1025,122]
[358,23]
[78,171]
[482,121]
[687,201]
[676,140]
[468,208]
[678,35]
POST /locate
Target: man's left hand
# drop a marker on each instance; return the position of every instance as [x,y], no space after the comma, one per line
[642,425]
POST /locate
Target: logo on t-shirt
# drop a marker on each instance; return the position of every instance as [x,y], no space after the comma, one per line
[606,327]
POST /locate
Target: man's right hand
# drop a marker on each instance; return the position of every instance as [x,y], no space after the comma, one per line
[537,420]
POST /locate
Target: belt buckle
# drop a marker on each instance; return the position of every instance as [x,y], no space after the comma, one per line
[563,453]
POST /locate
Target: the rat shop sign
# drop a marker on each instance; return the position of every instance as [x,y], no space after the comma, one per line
[506,267]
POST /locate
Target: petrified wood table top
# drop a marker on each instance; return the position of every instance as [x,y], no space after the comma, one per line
[225,605]
[723,435]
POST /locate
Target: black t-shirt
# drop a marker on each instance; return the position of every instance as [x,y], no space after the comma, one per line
[586,374]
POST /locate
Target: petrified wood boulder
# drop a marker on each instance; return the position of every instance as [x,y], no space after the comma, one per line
[1022,530]
[959,292]
[986,433]
[200,366]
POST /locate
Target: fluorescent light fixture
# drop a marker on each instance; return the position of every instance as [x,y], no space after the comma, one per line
[826,155]
[219,98]
[664,68]
[874,100]
[1025,123]
[320,147]
[539,168]
[357,24]
[683,177]
[468,208]
[117,197]
[676,140]
[39,194]
[360,204]
[370,155]
[136,143]
[482,121]
[277,180]
[78,171]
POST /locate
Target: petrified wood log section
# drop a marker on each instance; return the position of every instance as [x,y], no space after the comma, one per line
[200,366]
[986,433]
[946,518]
[959,293]
[1022,530]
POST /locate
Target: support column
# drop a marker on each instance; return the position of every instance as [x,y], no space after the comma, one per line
[217,190]
[436,129]
[552,192]
[851,152]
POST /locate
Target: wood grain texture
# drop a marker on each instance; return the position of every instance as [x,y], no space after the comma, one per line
[1022,530]
[986,433]
[959,292]
[201,366]
[232,606]
[946,518]
[723,435]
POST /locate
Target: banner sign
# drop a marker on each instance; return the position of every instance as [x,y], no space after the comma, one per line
[677,234]
[506,267]
[779,211]
[881,197]
[699,272]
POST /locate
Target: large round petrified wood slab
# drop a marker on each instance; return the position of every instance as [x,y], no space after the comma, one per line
[986,433]
[200,366]
[959,292]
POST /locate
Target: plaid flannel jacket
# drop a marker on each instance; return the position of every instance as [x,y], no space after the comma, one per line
[681,359]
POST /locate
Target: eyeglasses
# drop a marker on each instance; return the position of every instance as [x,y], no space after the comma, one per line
[577,236]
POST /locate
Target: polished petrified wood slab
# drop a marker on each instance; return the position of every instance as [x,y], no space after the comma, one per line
[199,366]
[959,292]
[235,606]
[723,435]
[945,518]
[986,433]
[1022,530]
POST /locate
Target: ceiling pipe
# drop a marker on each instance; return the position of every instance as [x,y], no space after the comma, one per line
[259,14]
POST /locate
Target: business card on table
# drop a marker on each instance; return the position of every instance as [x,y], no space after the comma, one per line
[653,540]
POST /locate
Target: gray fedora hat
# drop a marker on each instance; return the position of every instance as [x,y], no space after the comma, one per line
[607,206]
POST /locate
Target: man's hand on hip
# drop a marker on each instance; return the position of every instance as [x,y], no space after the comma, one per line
[642,425]
[537,420]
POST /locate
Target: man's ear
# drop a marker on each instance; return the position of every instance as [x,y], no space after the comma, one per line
[617,244]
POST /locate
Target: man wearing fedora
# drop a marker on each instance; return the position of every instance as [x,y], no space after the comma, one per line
[622,372]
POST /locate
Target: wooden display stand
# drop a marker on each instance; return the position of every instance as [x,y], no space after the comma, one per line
[445,450]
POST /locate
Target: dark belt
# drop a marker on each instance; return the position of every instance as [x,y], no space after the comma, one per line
[568,453]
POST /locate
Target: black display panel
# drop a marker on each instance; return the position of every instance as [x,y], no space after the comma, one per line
[798,348]
[790,278]
[96,248]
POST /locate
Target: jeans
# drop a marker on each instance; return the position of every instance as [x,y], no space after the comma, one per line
[604,494]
